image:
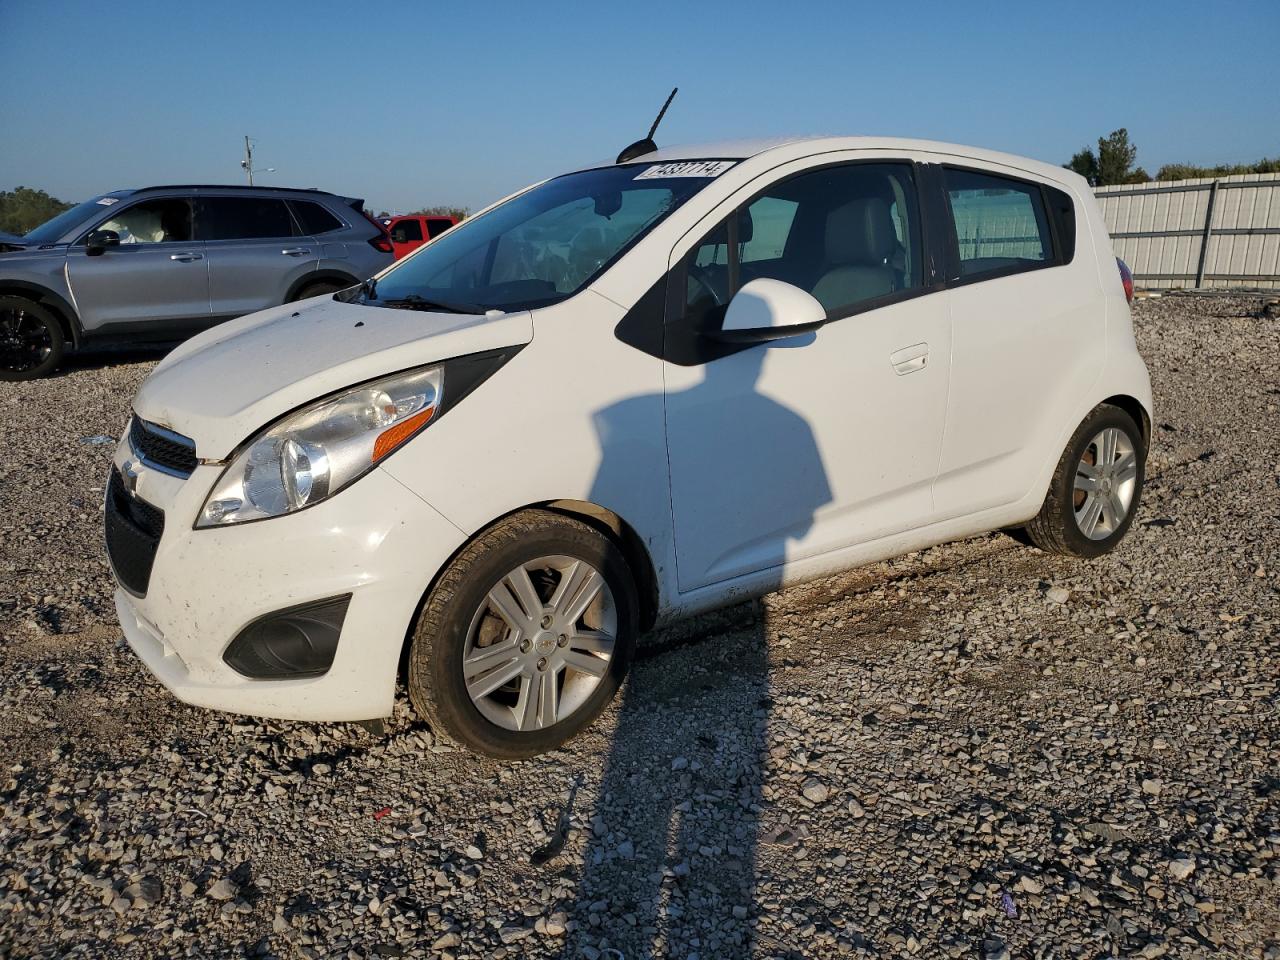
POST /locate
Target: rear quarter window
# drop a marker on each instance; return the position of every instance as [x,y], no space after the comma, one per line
[314,218]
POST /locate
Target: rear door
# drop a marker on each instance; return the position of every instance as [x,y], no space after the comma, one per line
[158,276]
[1029,333]
[256,252]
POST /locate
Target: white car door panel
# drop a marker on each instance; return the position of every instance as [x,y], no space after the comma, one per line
[792,449]
[785,452]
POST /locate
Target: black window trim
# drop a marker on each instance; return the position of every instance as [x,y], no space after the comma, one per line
[930,279]
[82,240]
[951,234]
[297,224]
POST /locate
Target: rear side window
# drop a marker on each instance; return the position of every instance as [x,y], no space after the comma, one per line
[314,218]
[242,218]
[406,231]
[1000,224]
[438,226]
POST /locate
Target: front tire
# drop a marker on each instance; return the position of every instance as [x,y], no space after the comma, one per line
[526,636]
[31,339]
[1096,488]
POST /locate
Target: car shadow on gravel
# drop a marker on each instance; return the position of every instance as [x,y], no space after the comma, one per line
[96,358]
[671,867]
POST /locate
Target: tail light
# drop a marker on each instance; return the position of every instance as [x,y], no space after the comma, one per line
[1126,277]
[382,242]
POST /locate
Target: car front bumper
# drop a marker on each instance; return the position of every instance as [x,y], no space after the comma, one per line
[375,540]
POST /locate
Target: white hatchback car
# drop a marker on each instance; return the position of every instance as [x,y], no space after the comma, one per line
[622,396]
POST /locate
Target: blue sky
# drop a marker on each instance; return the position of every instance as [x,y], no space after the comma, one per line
[411,104]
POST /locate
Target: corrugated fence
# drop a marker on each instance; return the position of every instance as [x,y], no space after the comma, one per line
[1198,233]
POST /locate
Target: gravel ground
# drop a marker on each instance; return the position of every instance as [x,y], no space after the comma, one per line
[974,751]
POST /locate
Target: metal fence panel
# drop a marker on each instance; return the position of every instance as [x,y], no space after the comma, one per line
[1221,233]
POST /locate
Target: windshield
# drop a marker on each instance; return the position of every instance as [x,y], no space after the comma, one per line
[51,231]
[545,245]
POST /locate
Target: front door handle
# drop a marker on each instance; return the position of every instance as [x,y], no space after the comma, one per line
[186,257]
[910,359]
[296,252]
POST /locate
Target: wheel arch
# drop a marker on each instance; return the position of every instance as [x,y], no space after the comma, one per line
[601,519]
[1134,408]
[62,309]
[319,276]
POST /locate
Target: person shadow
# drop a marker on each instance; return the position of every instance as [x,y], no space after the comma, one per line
[671,861]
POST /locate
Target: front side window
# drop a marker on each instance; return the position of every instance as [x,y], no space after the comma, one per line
[242,218]
[1000,224]
[406,231]
[849,235]
[546,244]
[152,221]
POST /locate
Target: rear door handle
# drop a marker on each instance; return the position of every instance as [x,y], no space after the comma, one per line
[296,252]
[186,257]
[910,359]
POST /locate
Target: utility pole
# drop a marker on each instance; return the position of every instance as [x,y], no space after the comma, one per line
[247,162]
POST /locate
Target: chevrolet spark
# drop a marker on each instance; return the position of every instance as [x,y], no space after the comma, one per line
[620,397]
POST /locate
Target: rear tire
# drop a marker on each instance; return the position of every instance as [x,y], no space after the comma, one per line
[1096,488]
[542,600]
[31,339]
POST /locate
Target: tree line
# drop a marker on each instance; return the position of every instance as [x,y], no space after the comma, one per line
[23,209]
[1113,162]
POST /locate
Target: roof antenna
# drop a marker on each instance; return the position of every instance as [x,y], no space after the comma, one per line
[641,147]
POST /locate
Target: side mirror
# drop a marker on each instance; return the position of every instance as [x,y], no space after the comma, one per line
[98,242]
[766,310]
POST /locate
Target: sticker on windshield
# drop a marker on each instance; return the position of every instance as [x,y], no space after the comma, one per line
[108,201]
[686,168]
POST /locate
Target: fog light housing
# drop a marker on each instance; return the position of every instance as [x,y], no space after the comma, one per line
[291,644]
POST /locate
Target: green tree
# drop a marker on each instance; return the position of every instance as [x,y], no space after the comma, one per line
[24,209]
[444,211]
[1115,159]
[1085,163]
[1187,171]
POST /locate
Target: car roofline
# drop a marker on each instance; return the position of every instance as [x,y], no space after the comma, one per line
[800,147]
[236,186]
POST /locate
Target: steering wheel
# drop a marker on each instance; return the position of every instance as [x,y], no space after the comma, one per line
[703,278]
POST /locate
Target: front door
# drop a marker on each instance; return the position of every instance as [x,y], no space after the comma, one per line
[787,451]
[158,276]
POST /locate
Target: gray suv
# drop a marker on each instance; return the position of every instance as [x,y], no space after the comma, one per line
[161,263]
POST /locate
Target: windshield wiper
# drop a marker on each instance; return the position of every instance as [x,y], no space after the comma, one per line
[412,301]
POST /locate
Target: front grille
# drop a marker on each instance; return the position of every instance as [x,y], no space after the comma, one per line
[158,447]
[133,533]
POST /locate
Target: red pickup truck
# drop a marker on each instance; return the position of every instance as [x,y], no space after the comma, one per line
[410,232]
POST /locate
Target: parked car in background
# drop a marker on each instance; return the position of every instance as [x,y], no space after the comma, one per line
[161,263]
[410,232]
[623,396]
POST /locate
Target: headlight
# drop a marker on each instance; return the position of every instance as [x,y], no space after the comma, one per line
[312,454]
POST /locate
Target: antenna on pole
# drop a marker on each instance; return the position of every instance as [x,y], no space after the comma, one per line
[247,162]
[641,147]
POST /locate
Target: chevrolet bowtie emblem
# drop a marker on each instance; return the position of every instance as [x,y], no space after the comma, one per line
[130,475]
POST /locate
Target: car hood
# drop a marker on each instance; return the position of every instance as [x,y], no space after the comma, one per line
[224,385]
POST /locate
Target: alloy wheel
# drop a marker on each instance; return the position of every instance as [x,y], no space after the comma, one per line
[540,644]
[25,340]
[1105,483]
